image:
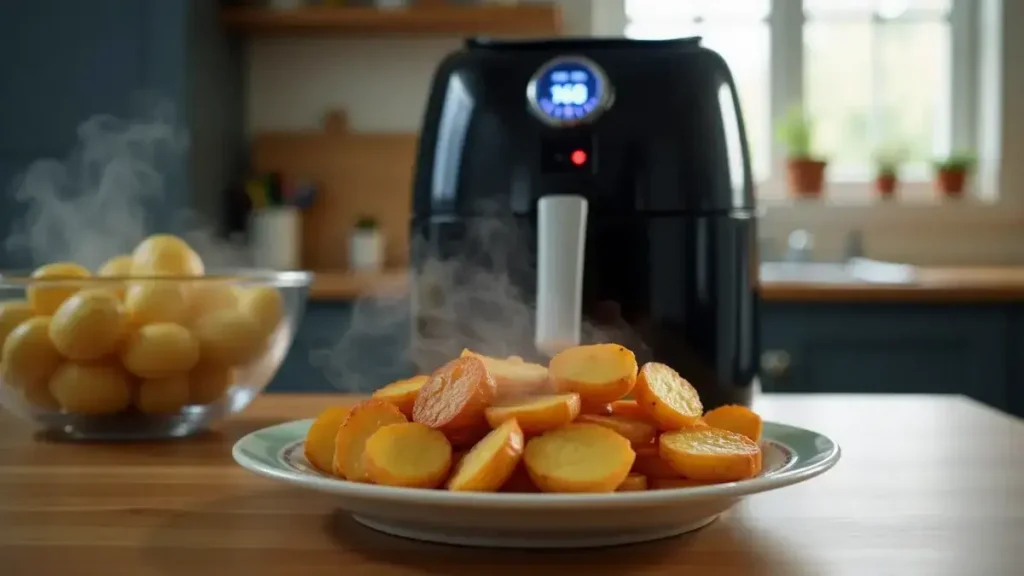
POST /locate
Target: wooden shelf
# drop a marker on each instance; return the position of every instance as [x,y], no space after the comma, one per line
[520,20]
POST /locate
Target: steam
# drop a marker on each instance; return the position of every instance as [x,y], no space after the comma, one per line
[101,200]
[466,293]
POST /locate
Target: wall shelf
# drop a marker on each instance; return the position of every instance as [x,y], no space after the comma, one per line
[434,20]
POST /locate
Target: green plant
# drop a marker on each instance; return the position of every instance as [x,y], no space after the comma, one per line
[888,160]
[366,223]
[796,132]
[956,162]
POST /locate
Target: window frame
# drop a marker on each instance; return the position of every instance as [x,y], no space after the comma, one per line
[786,22]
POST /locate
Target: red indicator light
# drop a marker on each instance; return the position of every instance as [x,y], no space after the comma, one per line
[579,157]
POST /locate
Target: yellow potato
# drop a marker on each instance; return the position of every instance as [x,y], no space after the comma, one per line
[710,454]
[160,350]
[165,255]
[409,455]
[319,446]
[209,382]
[636,431]
[154,301]
[263,304]
[514,377]
[88,326]
[29,357]
[599,373]
[207,296]
[633,483]
[40,397]
[667,399]
[116,267]
[229,337]
[650,463]
[350,443]
[491,462]
[91,388]
[537,415]
[402,393]
[739,419]
[166,395]
[45,297]
[12,313]
[579,458]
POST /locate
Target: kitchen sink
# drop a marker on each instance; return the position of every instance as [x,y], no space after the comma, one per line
[856,270]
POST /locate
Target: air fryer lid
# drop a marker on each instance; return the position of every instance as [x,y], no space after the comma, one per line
[569,45]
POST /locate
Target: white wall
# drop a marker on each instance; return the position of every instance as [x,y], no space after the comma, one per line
[382,85]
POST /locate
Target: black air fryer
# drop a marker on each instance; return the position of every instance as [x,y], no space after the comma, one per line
[582,191]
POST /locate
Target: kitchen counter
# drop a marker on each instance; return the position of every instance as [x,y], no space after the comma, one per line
[928,485]
[932,285]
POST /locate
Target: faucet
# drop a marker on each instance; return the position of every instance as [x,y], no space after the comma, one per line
[800,246]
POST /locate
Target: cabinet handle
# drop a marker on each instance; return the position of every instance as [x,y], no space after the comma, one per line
[775,363]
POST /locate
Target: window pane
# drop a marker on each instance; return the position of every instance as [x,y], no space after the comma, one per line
[645,10]
[883,8]
[877,86]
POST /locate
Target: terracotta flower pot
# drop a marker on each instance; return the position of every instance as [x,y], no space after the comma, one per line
[951,183]
[885,185]
[806,177]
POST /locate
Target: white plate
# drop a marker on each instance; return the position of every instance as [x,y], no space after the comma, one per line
[791,455]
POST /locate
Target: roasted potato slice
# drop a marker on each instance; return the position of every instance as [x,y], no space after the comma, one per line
[410,455]
[489,464]
[514,377]
[537,415]
[649,463]
[710,454]
[579,458]
[739,419]
[402,393]
[633,483]
[667,398]
[319,447]
[638,432]
[453,400]
[599,373]
[350,443]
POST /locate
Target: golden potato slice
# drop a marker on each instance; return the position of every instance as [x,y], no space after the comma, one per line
[89,325]
[409,455]
[633,483]
[350,442]
[627,408]
[45,298]
[537,415]
[29,357]
[514,377]
[710,454]
[165,255]
[650,463]
[666,398]
[453,400]
[402,393]
[490,463]
[579,458]
[167,395]
[739,419]
[12,313]
[319,446]
[599,373]
[91,388]
[159,350]
[638,432]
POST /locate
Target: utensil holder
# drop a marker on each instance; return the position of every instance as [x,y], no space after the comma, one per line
[275,236]
[366,250]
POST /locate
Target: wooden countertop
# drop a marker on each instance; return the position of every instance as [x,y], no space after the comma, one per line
[927,486]
[933,284]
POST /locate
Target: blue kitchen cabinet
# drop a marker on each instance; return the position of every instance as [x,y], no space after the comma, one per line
[888,348]
[64,62]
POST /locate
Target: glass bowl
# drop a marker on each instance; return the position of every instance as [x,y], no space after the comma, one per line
[117,358]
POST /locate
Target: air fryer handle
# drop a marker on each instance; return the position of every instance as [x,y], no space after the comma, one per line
[561,241]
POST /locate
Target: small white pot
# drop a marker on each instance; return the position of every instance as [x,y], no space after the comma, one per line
[366,250]
[276,238]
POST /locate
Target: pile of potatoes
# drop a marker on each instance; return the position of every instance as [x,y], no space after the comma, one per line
[154,341]
[589,422]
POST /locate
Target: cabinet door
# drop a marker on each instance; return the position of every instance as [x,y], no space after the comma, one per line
[888,348]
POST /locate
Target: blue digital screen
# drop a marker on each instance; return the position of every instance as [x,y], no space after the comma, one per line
[568,91]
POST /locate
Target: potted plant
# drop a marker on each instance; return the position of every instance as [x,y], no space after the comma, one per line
[951,173]
[366,246]
[887,167]
[806,171]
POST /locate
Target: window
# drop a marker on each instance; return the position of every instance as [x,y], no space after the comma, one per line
[875,75]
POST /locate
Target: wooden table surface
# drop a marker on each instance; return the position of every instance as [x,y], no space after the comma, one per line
[927,486]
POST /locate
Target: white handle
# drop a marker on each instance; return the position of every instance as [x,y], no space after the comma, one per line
[561,239]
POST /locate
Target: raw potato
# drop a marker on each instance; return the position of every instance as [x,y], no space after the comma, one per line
[633,483]
[537,415]
[154,301]
[207,296]
[402,393]
[319,446]
[638,432]
[409,455]
[599,373]
[165,255]
[650,463]
[46,297]
[667,399]
[12,313]
[91,388]
[739,419]
[29,357]
[514,377]
[627,408]
[579,458]
[163,395]
[491,462]
[159,350]
[263,304]
[454,398]
[710,454]
[209,382]
[88,326]
[116,267]
[229,337]
[350,442]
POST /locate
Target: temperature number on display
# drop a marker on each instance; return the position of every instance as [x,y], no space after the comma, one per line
[569,94]
[568,91]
